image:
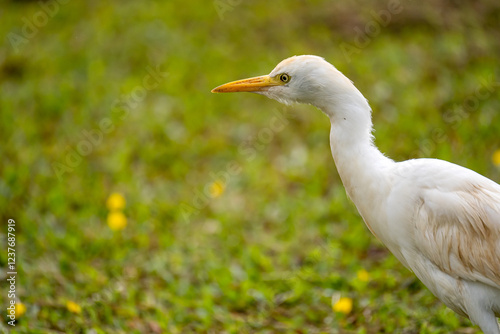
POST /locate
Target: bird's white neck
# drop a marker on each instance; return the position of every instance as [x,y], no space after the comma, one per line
[361,166]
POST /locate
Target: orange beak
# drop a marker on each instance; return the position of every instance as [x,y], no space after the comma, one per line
[256,84]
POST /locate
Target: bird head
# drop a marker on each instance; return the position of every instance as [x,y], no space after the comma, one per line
[301,79]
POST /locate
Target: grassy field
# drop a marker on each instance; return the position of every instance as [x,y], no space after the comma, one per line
[145,204]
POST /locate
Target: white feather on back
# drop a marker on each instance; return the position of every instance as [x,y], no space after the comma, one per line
[456,224]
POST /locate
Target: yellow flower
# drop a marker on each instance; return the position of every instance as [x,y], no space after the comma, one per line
[117,220]
[20,309]
[73,307]
[363,275]
[115,201]
[343,305]
[496,158]
[217,188]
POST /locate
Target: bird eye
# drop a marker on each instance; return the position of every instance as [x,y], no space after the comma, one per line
[284,77]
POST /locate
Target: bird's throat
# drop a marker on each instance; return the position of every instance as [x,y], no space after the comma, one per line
[363,169]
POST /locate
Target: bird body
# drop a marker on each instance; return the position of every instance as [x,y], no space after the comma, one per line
[441,220]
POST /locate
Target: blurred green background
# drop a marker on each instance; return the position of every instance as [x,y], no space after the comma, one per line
[231,224]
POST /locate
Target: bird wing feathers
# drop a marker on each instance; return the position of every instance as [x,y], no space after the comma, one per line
[457,225]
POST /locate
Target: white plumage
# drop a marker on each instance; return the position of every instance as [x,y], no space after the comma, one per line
[441,220]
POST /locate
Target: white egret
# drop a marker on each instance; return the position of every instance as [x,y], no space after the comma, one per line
[441,220]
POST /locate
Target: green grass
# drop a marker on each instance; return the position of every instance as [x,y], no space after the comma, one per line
[266,255]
